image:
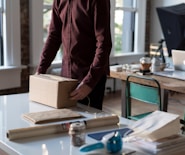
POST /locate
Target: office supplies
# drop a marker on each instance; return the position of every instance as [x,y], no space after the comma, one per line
[170,145]
[178,59]
[156,125]
[99,135]
[111,142]
[77,133]
[33,131]
[51,116]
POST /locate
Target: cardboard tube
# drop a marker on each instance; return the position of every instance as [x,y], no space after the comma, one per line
[59,128]
[102,121]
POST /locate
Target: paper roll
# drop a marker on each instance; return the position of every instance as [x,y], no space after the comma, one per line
[102,121]
[59,128]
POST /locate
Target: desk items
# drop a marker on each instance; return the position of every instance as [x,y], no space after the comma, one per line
[111,142]
[157,133]
[33,131]
[145,63]
[52,90]
[171,145]
[51,116]
[126,67]
[99,135]
[77,133]
[157,125]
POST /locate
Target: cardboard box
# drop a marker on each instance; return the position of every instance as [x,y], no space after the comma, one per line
[52,90]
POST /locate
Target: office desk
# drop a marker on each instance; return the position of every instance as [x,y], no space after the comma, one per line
[11,109]
[165,82]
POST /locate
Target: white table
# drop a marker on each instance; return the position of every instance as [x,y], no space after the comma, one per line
[11,109]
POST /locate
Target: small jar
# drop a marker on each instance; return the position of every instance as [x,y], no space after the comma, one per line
[77,132]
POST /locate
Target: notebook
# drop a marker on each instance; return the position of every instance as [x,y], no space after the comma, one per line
[178,60]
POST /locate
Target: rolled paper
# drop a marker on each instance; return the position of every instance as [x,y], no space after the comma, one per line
[102,121]
[59,128]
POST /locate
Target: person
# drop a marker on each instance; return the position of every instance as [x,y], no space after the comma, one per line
[82,28]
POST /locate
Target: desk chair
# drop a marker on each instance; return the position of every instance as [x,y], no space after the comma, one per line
[143,89]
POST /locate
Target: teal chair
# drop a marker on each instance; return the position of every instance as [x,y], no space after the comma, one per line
[143,89]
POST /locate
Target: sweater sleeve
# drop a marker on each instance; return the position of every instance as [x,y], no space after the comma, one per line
[100,64]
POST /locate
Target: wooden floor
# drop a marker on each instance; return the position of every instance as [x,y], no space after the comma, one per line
[112,103]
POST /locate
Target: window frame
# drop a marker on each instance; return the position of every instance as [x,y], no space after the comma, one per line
[1,34]
[36,12]
[139,7]
[11,46]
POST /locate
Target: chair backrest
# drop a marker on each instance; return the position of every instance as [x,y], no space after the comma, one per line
[144,89]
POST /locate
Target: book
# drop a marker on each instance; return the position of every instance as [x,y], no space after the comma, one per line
[164,142]
[156,125]
[169,149]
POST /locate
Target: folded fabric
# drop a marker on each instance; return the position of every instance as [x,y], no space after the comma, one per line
[51,116]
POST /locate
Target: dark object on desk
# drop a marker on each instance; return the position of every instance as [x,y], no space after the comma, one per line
[182,122]
[149,93]
[144,72]
[172,24]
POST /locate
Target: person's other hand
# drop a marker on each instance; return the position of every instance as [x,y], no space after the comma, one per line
[80,92]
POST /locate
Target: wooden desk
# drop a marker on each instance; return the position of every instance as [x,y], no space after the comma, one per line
[166,83]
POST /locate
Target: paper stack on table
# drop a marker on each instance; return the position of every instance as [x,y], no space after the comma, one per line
[171,145]
[158,133]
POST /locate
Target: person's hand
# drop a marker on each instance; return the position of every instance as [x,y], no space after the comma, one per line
[80,92]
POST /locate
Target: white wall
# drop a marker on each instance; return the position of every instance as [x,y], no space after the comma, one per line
[156,32]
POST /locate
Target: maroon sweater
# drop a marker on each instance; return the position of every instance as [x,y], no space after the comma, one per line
[82,27]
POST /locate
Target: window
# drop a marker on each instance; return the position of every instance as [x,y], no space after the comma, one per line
[47,4]
[126,15]
[10,28]
[1,32]
[127,26]
[10,60]
[124,20]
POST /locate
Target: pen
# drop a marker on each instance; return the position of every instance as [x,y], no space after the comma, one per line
[128,153]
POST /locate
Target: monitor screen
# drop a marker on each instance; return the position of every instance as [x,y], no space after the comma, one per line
[172,20]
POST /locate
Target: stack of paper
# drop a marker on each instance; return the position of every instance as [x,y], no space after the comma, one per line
[158,133]
[169,145]
[157,125]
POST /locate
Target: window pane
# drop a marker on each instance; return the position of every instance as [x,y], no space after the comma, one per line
[1,34]
[46,20]
[118,31]
[48,2]
[124,26]
[125,3]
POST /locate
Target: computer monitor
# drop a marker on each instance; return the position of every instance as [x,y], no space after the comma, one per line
[172,20]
